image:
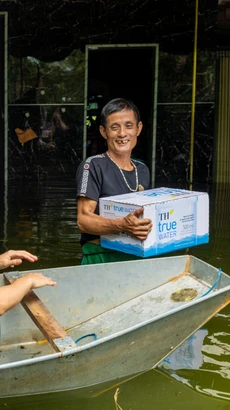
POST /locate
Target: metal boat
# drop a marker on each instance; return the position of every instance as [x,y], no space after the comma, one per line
[104,322]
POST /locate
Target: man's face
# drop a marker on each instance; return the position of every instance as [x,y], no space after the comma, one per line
[121,131]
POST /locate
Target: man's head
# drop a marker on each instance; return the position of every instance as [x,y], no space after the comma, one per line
[120,126]
[117,105]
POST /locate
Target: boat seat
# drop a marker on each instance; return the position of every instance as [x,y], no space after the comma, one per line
[41,316]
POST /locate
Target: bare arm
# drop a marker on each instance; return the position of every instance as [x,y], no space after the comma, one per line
[88,222]
[14,258]
[12,294]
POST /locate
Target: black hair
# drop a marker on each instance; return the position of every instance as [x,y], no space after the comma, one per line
[116,105]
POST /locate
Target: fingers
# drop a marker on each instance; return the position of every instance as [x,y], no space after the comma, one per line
[39,280]
[138,212]
[19,255]
[141,232]
[11,258]
[50,282]
[142,236]
[15,262]
[138,227]
[142,223]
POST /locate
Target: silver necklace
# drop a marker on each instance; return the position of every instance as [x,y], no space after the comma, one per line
[123,175]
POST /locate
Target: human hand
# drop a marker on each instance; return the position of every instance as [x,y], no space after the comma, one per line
[14,258]
[38,280]
[137,227]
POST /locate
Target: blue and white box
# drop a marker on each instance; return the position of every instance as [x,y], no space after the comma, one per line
[180,220]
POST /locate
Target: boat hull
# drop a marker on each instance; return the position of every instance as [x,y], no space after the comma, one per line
[131,347]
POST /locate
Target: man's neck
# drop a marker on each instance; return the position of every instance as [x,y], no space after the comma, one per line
[124,162]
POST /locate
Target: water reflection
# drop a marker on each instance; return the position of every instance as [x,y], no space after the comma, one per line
[203,361]
[151,390]
[42,219]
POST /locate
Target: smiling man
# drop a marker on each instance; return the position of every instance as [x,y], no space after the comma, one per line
[111,173]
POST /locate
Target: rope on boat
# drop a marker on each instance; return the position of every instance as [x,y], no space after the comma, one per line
[215,283]
[89,335]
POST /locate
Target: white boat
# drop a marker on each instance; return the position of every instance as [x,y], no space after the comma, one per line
[104,322]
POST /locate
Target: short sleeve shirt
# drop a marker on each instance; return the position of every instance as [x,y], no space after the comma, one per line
[99,177]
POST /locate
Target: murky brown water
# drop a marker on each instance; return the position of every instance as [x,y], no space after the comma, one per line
[42,219]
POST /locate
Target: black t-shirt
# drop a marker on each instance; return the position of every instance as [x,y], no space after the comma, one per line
[99,177]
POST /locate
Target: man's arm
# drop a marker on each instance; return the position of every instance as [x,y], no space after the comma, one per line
[89,222]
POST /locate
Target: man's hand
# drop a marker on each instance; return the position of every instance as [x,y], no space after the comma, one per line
[136,226]
[131,224]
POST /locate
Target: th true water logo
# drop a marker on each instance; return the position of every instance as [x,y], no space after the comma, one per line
[118,208]
[167,226]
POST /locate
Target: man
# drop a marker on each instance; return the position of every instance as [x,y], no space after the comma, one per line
[111,173]
[13,294]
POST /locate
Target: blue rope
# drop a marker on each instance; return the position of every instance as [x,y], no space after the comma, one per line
[214,284]
[89,335]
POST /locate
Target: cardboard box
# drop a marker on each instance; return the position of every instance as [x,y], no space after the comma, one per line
[180,220]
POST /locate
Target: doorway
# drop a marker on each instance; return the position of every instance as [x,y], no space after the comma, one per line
[129,71]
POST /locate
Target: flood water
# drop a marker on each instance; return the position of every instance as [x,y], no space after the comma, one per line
[41,218]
